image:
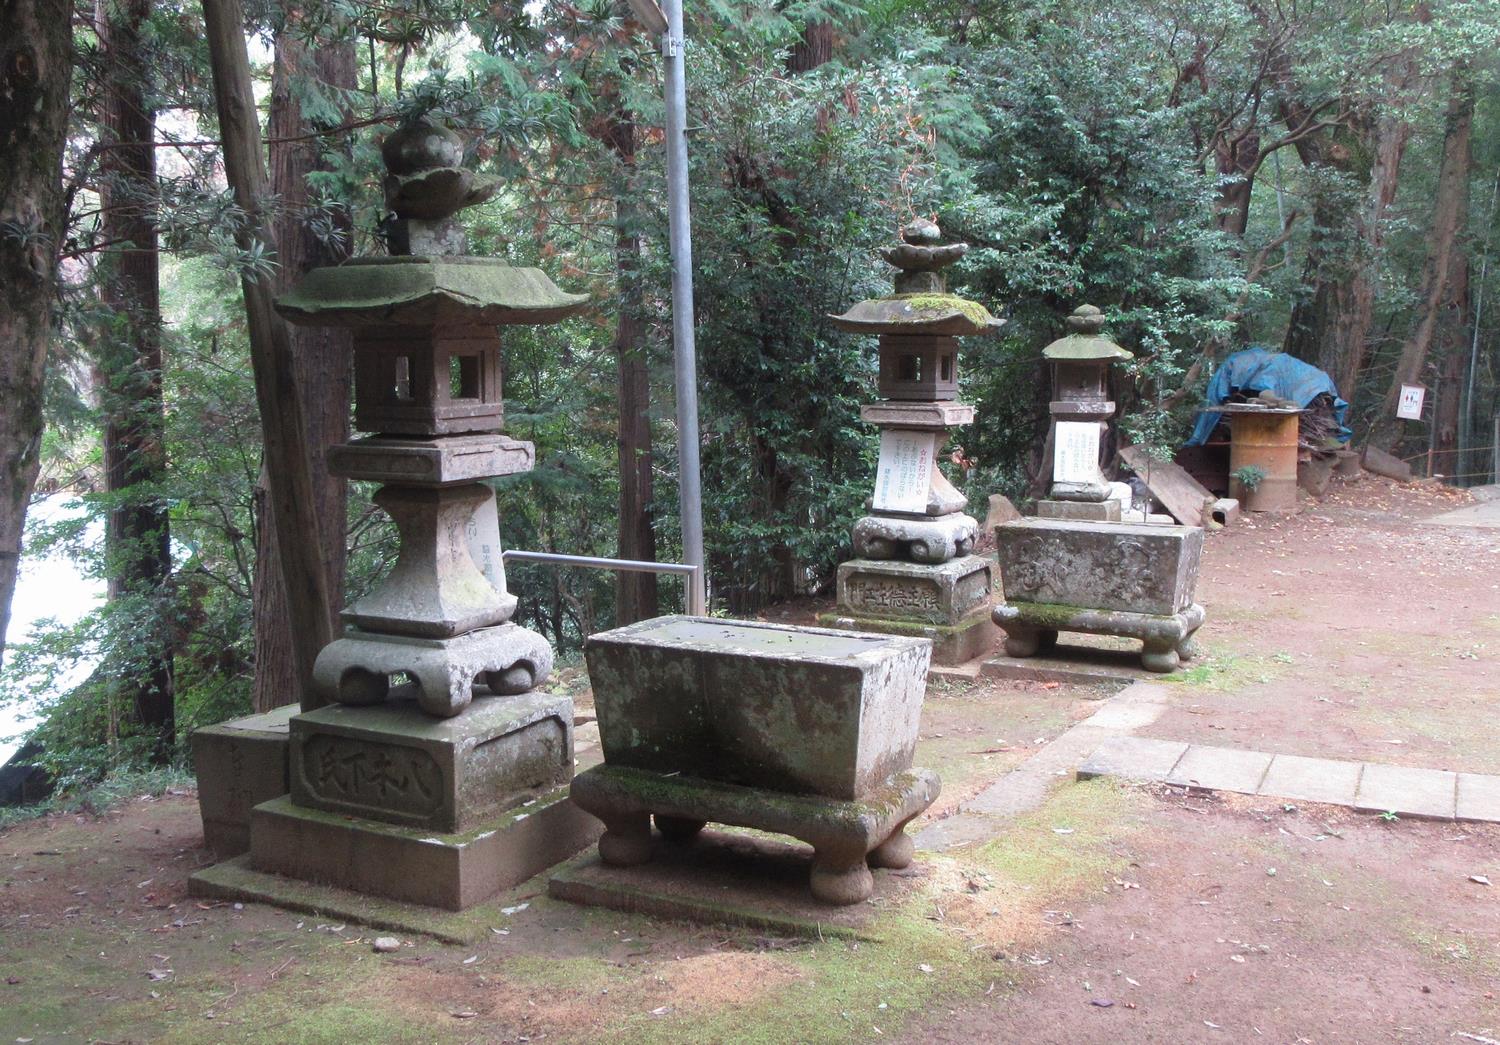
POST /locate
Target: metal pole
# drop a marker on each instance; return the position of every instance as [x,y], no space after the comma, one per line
[684,351]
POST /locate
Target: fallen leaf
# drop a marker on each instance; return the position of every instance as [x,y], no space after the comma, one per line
[924,967]
[386,944]
[1102,1003]
[661,1011]
[1479,879]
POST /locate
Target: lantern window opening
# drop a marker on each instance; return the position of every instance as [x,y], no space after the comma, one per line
[463,377]
[401,388]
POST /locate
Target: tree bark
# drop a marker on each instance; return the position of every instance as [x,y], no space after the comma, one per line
[321,360]
[35,68]
[1452,346]
[814,49]
[1450,212]
[137,540]
[289,486]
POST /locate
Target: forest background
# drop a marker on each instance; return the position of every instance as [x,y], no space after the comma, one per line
[1320,178]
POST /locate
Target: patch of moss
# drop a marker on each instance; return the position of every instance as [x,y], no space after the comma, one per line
[973,311]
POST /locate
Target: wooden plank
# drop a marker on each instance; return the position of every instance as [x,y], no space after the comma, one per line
[1177,491]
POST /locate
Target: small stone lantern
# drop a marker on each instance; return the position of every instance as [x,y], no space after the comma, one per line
[914,572]
[1081,411]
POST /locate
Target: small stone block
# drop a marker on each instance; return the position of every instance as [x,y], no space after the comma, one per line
[1221,769]
[394,763]
[1091,511]
[1479,797]
[1134,758]
[1311,780]
[907,591]
[239,764]
[1429,793]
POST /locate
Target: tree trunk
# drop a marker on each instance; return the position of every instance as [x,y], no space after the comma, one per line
[321,359]
[1332,328]
[35,69]
[289,486]
[814,49]
[1450,212]
[137,543]
[1453,357]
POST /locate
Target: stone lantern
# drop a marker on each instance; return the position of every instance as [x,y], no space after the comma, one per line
[1081,411]
[437,774]
[914,572]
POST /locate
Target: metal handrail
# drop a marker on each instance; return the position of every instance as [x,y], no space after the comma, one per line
[693,590]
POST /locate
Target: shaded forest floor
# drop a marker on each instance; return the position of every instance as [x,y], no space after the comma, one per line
[1109,913]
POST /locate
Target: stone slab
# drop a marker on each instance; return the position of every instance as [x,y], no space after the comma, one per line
[1485,515]
[952,645]
[1221,769]
[449,871]
[395,763]
[728,878]
[1127,567]
[1311,780]
[436,462]
[1478,797]
[1135,758]
[935,416]
[1071,665]
[235,881]
[239,764]
[800,710]
[1425,793]
[1088,511]
[946,593]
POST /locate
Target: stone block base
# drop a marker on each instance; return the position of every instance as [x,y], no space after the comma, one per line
[974,636]
[1166,640]
[848,838]
[394,763]
[927,540]
[451,871]
[1090,511]
[239,764]
[947,593]
[357,668]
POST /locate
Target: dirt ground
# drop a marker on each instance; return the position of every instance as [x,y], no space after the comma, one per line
[1110,913]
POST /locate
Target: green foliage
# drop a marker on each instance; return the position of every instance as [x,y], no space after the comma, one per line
[1250,476]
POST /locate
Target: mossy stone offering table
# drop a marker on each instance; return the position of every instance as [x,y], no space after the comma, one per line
[806,732]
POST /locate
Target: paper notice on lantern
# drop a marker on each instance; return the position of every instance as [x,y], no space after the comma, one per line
[905,471]
[1409,406]
[1075,454]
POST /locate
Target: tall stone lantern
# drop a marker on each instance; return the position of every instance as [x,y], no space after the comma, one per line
[1081,411]
[437,773]
[914,573]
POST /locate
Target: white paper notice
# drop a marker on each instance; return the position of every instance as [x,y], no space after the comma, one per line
[1075,455]
[1409,406]
[905,471]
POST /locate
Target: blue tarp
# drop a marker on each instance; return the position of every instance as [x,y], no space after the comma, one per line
[1254,370]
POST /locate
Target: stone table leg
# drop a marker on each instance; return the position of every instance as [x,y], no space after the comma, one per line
[895,852]
[626,840]
[839,879]
[1021,640]
[1160,655]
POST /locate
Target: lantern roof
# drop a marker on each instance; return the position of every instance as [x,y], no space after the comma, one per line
[921,303]
[1083,342]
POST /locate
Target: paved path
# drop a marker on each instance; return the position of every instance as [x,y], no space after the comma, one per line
[1485,514]
[1370,787]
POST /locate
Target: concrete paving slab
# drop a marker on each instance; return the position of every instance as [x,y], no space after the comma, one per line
[1135,758]
[1426,793]
[1478,797]
[1485,515]
[1311,780]
[1221,769]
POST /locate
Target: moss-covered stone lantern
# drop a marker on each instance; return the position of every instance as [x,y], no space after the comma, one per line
[1081,410]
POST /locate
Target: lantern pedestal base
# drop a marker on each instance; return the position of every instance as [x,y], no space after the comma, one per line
[930,541]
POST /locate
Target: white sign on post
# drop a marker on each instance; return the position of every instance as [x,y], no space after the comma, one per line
[905,470]
[1075,454]
[1409,406]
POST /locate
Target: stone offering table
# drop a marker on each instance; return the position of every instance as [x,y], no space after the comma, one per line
[1127,579]
[914,573]
[800,731]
